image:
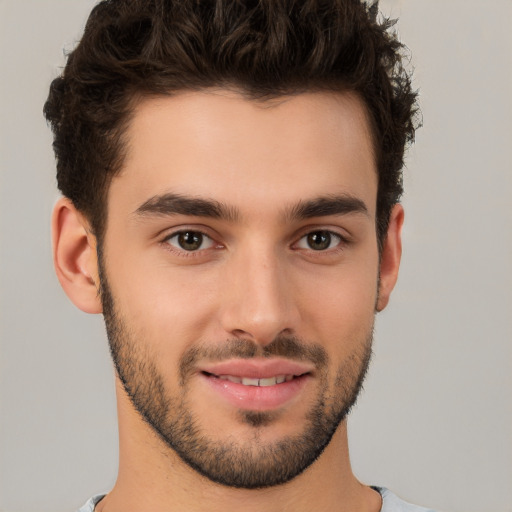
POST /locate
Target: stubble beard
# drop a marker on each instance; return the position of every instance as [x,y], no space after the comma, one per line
[251,464]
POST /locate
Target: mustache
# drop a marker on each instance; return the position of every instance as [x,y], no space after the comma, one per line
[289,347]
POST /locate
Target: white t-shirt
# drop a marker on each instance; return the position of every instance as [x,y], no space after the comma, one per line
[390,503]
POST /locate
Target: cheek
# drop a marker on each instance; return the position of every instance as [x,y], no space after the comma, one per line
[338,308]
[165,308]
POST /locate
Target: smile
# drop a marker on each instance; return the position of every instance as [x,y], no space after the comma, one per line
[250,381]
[257,385]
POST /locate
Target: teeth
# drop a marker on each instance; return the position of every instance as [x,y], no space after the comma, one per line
[272,381]
[246,381]
[250,382]
[237,380]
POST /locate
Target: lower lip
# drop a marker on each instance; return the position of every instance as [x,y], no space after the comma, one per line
[257,398]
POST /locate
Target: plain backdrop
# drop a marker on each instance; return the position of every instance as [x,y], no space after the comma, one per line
[435,420]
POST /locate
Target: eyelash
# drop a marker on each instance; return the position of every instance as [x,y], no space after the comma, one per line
[341,244]
[332,237]
[183,252]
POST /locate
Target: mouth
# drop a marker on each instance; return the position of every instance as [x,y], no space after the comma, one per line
[257,385]
[260,382]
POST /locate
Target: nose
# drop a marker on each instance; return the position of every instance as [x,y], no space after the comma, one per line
[259,302]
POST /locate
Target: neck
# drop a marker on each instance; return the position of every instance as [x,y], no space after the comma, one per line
[153,478]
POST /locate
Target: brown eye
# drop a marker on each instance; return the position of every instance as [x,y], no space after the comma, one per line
[319,240]
[190,241]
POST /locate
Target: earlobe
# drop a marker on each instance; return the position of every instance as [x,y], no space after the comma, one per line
[74,256]
[390,257]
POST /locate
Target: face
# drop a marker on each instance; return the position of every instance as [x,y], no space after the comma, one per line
[239,275]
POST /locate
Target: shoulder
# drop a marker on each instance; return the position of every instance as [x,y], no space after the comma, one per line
[392,503]
[89,506]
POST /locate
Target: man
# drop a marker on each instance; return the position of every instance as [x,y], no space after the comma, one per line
[231,174]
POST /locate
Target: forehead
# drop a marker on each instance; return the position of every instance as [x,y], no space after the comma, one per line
[246,153]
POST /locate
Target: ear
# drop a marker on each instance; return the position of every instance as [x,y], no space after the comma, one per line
[390,257]
[74,256]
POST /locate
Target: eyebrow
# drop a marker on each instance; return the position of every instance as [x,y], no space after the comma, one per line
[325,206]
[176,204]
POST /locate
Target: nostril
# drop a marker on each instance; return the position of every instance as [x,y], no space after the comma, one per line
[239,333]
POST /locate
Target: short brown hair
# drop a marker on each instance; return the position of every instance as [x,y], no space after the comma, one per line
[264,48]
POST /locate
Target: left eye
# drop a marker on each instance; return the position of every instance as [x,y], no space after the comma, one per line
[319,240]
[190,241]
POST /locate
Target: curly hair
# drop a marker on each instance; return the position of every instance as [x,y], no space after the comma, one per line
[264,48]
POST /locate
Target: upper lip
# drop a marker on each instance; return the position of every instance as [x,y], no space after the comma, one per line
[257,368]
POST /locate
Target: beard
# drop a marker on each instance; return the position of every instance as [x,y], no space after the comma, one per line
[254,463]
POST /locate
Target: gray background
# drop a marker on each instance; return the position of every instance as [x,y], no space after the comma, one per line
[435,421]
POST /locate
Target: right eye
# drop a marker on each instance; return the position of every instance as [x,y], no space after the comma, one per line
[190,241]
[321,240]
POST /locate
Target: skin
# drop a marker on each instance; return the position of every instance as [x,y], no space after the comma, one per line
[256,280]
